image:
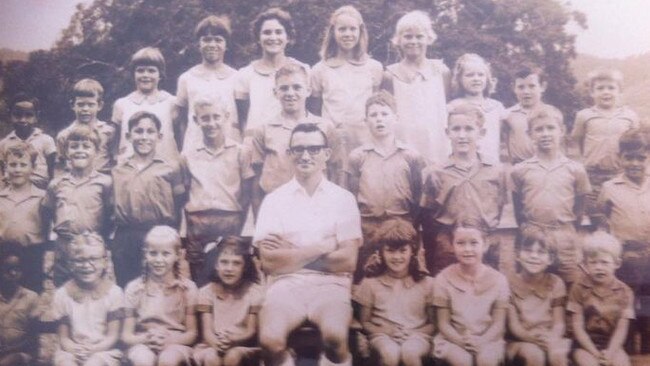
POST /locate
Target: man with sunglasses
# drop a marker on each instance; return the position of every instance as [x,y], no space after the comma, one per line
[308,233]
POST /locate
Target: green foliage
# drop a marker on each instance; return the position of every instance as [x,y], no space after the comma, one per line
[102,36]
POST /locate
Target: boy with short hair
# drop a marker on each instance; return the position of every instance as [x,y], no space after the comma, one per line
[20,213]
[212,75]
[80,200]
[149,191]
[596,130]
[24,117]
[466,185]
[549,189]
[385,175]
[601,305]
[529,87]
[18,307]
[270,142]
[219,180]
[87,100]
[624,201]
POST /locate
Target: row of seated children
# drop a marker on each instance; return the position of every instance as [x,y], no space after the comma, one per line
[461,316]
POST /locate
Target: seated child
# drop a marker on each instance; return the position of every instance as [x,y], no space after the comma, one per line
[87,100]
[384,175]
[536,312]
[18,309]
[600,305]
[24,117]
[160,320]
[549,189]
[149,191]
[219,179]
[20,209]
[81,199]
[471,299]
[88,307]
[396,298]
[597,129]
[466,184]
[229,306]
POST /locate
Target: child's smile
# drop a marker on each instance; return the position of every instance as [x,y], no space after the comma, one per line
[89,264]
[346,32]
[81,153]
[273,37]
[160,258]
[534,259]
[397,259]
[147,78]
[18,169]
[230,268]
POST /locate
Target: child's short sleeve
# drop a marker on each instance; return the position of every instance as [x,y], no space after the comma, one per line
[257,146]
[242,83]
[191,297]
[118,113]
[354,162]
[316,80]
[176,179]
[256,298]
[363,294]
[558,293]
[116,304]
[430,188]
[430,290]
[516,179]
[49,146]
[579,127]
[582,184]
[245,162]
[133,295]
[441,295]
[181,91]
[628,310]
[59,305]
[503,295]
[49,199]
[377,72]
[204,302]
[575,300]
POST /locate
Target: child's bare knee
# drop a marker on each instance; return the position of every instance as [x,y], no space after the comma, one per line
[532,355]
[142,357]
[273,342]
[388,356]
[171,357]
[232,358]
[489,358]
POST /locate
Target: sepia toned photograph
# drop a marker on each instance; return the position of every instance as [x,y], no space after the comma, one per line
[308,182]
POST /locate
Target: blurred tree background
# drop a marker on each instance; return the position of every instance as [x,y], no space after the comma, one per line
[102,36]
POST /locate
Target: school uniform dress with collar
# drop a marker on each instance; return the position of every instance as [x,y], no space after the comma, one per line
[255,84]
[200,81]
[422,107]
[344,86]
[43,144]
[470,304]
[87,313]
[160,103]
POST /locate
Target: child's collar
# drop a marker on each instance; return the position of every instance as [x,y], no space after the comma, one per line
[80,295]
[601,291]
[336,62]
[35,132]
[427,70]
[390,281]
[155,97]
[483,281]
[222,293]
[222,72]
[523,289]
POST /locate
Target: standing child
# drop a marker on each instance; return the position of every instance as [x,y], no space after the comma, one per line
[20,209]
[549,189]
[396,298]
[466,184]
[346,76]
[384,175]
[88,308]
[219,177]
[149,191]
[148,68]
[87,100]
[624,202]
[472,82]
[24,116]
[536,312]
[18,309]
[160,320]
[271,159]
[274,31]
[229,307]
[80,200]
[420,86]
[529,87]
[211,76]
[597,129]
[600,305]
[471,299]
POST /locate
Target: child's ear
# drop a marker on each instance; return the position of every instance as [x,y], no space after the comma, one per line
[100,105]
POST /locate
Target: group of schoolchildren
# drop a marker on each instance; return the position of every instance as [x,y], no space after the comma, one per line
[169,181]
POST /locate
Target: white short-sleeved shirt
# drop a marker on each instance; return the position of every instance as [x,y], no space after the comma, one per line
[167,307]
[199,81]
[88,313]
[345,86]
[329,216]
[162,104]
[256,84]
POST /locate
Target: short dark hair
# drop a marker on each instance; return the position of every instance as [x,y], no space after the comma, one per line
[471,222]
[308,128]
[10,248]
[238,246]
[148,56]
[87,88]
[530,69]
[397,233]
[283,17]
[215,25]
[135,119]
[531,235]
[633,140]
[22,97]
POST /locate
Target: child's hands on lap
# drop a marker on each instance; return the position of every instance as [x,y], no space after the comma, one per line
[472,342]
